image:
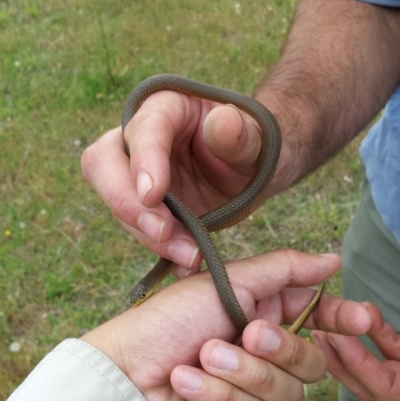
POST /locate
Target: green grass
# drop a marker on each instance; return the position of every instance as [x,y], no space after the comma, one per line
[66,69]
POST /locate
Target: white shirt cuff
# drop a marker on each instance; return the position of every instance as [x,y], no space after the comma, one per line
[76,371]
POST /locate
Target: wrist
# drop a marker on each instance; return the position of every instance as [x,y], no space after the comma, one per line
[295,121]
[111,339]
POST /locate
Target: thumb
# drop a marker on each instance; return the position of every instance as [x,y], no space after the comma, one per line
[232,137]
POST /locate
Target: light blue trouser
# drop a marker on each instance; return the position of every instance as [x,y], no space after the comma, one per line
[371,267]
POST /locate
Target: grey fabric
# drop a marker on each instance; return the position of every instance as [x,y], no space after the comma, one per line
[371,267]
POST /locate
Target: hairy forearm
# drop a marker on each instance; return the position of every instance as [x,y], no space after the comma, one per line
[338,67]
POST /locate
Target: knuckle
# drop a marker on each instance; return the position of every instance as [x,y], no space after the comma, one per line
[297,390]
[263,378]
[296,354]
[321,366]
[287,259]
[89,161]
[290,258]
[231,394]
[119,206]
[267,379]
[291,255]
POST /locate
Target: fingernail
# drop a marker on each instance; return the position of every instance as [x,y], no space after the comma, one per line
[182,271]
[190,381]
[183,252]
[223,358]
[144,184]
[328,255]
[241,116]
[315,339]
[331,341]
[152,225]
[268,340]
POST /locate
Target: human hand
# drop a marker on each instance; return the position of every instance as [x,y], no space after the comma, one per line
[160,344]
[203,153]
[357,368]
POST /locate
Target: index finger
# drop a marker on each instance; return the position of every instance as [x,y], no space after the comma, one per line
[106,167]
[265,279]
[150,134]
[331,314]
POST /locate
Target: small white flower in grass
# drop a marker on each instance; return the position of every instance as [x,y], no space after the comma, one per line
[15,346]
[237,8]
[17,63]
[168,28]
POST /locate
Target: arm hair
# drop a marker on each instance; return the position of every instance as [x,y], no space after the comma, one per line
[338,67]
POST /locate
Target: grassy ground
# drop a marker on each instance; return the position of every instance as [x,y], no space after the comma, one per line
[66,70]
